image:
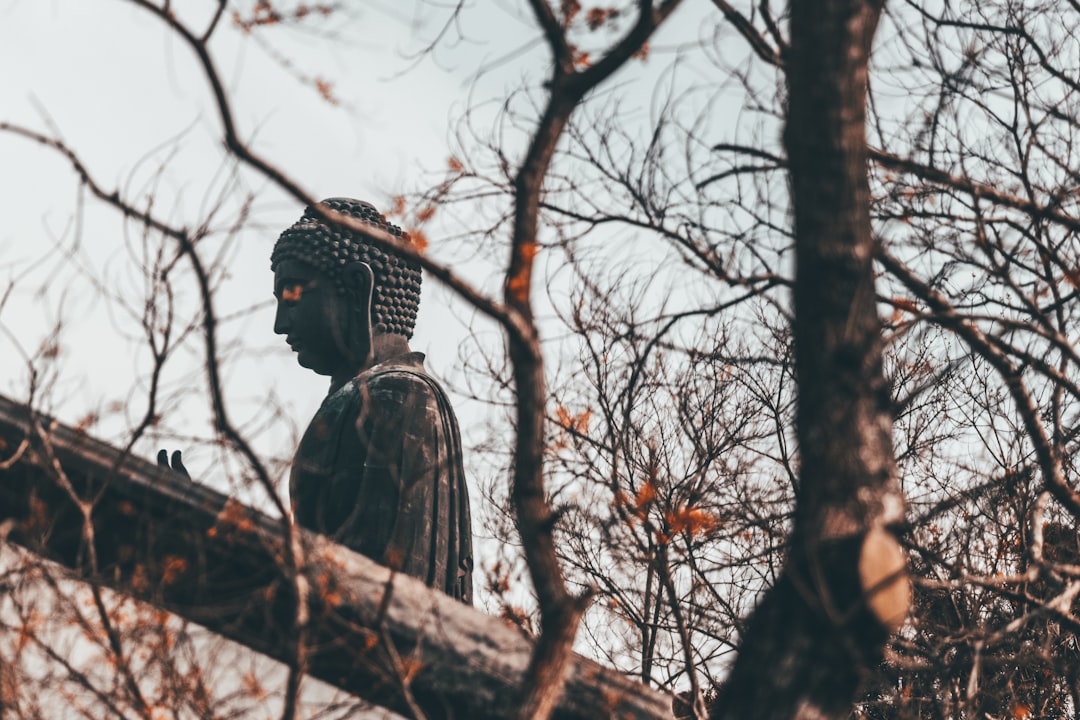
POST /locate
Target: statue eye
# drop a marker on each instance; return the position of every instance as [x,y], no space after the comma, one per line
[292,294]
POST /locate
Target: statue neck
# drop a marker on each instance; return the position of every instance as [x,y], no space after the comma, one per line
[384,346]
[388,345]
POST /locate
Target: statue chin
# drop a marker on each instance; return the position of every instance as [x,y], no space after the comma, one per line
[326,363]
[302,362]
[305,360]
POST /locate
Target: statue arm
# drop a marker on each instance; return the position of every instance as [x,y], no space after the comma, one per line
[350,491]
[408,456]
[390,484]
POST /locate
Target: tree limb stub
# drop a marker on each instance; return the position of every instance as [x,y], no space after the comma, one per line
[195,552]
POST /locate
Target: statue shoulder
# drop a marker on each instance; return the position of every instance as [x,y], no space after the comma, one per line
[401,387]
[343,402]
[405,375]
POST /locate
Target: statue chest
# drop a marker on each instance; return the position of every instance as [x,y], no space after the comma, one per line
[328,467]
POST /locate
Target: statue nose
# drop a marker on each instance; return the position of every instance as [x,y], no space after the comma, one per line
[281,320]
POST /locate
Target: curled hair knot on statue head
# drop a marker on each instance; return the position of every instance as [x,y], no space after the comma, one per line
[396,292]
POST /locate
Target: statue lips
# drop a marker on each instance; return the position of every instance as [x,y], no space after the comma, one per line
[303,355]
[297,347]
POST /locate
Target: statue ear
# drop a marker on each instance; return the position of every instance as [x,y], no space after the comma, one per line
[359,282]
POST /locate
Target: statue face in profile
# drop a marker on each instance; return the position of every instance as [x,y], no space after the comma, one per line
[325,323]
[337,294]
[338,297]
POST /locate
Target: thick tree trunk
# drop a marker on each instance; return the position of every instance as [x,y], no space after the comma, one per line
[844,587]
[186,548]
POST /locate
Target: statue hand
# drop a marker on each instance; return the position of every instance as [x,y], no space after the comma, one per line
[177,462]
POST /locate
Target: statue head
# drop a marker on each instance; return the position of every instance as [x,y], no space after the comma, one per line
[336,292]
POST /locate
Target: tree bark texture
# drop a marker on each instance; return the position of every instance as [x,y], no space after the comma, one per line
[817,631]
[191,550]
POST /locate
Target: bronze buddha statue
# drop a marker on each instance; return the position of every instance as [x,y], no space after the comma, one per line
[379,468]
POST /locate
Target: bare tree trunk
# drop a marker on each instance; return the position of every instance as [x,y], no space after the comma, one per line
[844,587]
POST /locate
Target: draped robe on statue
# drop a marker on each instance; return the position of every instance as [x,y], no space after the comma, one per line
[379,471]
